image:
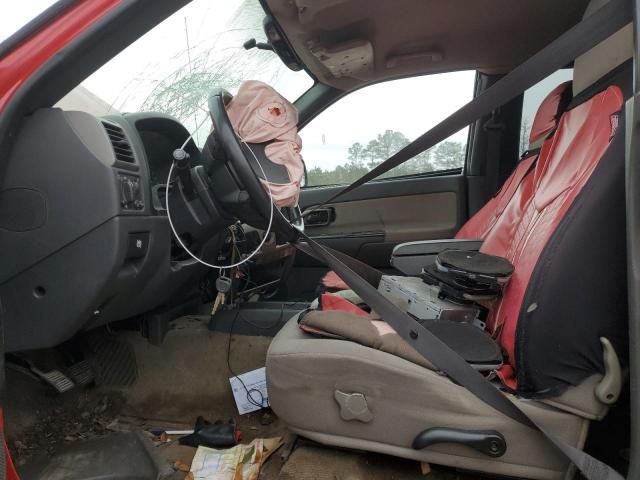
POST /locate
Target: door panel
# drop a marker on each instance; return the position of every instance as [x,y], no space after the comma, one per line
[371,220]
[424,198]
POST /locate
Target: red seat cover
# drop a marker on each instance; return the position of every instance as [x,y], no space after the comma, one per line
[544,123]
[523,230]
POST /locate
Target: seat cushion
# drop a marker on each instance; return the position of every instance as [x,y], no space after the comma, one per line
[304,372]
[467,340]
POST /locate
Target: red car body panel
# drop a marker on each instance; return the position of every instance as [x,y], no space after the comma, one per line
[17,66]
[26,58]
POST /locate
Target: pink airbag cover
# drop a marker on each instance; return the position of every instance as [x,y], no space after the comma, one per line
[259,114]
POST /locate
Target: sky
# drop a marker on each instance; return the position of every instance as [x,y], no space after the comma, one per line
[19,14]
[214,32]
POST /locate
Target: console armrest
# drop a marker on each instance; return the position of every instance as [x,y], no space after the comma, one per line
[411,257]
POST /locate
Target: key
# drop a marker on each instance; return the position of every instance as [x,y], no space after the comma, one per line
[223,285]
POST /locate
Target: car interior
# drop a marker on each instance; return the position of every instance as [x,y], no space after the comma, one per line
[153,256]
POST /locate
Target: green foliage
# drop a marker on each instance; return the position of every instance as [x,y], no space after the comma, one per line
[446,155]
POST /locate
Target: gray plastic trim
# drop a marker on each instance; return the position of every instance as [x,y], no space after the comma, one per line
[411,257]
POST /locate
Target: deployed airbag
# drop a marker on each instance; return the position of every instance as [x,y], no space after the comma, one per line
[266,121]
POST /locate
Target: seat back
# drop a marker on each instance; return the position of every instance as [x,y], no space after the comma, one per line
[543,126]
[567,242]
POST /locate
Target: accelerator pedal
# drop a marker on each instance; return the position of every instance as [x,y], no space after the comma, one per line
[112,360]
[81,373]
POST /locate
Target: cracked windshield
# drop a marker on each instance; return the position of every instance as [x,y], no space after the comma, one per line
[173,68]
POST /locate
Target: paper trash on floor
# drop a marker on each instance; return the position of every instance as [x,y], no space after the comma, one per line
[241,462]
[254,396]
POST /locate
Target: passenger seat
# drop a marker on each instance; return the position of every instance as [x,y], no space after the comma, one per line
[563,314]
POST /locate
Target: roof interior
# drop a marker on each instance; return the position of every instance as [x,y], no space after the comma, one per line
[408,37]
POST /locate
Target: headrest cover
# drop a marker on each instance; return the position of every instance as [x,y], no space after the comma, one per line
[601,59]
[549,113]
[259,114]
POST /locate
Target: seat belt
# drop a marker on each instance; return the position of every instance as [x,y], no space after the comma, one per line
[579,39]
[494,131]
[448,361]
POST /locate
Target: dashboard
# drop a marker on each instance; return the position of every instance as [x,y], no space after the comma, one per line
[83,225]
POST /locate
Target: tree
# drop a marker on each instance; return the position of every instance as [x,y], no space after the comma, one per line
[448,155]
[356,153]
[388,143]
[370,153]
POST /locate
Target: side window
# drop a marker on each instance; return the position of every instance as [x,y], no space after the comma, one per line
[366,127]
[532,99]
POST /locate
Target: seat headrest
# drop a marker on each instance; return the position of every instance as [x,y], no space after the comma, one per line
[549,113]
[604,57]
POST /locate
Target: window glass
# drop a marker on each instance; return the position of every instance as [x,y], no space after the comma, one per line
[16,15]
[174,67]
[532,99]
[367,126]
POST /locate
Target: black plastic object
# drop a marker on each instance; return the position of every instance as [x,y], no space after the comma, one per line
[489,442]
[256,318]
[251,43]
[458,289]
[279,44]
[474,345]
[468,275]
[207,434]
[410,257]
[472,264]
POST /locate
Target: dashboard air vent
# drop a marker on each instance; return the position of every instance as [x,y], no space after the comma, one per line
[120,142]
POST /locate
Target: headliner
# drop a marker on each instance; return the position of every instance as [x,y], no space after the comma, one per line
[409,37]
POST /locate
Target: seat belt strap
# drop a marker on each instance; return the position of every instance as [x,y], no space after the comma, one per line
[493,159]
[448,361]
[579,39]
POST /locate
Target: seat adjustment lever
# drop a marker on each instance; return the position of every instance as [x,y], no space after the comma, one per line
[489,442]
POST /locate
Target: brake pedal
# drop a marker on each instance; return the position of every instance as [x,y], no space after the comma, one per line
[55,378]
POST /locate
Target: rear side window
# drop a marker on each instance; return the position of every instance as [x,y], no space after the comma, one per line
[16,15]
[366,127]
[532,99]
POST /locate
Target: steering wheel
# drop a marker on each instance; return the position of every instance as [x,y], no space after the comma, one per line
[236,183]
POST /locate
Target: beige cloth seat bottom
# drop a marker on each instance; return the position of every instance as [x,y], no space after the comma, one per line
[303,373]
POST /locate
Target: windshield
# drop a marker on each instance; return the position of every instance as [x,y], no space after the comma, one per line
[173,68]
